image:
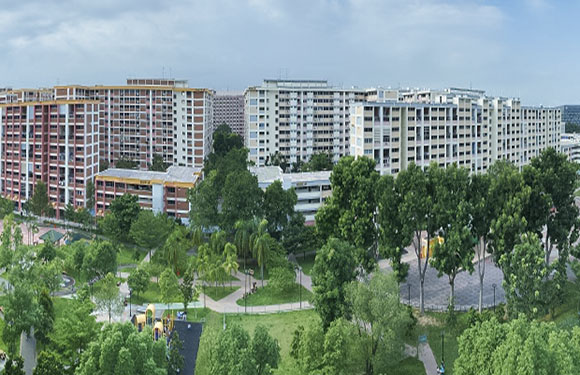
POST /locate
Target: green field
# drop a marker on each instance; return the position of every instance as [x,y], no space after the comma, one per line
[127,255]
[151,295]
[217,293]
[307,263]
[268,296]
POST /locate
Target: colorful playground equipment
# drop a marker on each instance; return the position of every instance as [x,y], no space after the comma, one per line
[161,328]
[432,243]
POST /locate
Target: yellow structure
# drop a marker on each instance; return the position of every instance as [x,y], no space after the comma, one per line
[432,243]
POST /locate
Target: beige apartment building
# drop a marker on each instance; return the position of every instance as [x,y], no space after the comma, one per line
[297,119]
[55,142]
[450,126]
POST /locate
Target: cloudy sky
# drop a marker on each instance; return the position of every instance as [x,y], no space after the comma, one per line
[525,48]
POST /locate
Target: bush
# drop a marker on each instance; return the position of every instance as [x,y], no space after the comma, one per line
[282,279]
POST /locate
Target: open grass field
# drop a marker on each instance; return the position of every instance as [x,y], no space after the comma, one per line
[217,293]
[269,296]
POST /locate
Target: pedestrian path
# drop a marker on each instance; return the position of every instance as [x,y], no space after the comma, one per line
[425,355]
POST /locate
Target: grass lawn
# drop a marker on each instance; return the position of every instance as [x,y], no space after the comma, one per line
[151,295]
[126,255]
[307,263]
[267,296]
[217,293]
[432,324]
[408,366]
[228,278]
[280,326]
[566,315]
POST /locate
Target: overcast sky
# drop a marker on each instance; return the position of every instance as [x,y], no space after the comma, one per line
[525,48]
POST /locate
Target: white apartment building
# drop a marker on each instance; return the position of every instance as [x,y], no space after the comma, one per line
[228,108]
[297,119]
[570,145]
[450,126]
[312,188]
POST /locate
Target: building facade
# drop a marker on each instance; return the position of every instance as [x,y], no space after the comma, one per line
[312,188]
[55,142]
[148,117]
[297,119]
[571,146]
[451,126]
[158,191]
[228,108]
[570,114]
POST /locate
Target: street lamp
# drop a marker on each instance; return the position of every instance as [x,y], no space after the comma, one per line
[300,285]
[442,346]
[246,291]
[130,295]
[493,286]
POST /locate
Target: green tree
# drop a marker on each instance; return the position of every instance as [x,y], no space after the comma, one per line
[138,281]
[126,163]
[416,215]
[243,237]
[175,360]
[11,239]
[527,287]
[334,267]
[47,252]
[241,198]
[349,214]
[261,247]
[452,215]
[21,313]
[176,247]
[46,316]
[90,194]
[120,349]
[277,159]
[265,351]
[6,207]
[278,208]
[518,347]
[75,330]
[169,286]
[381,320]
[392,239]
[319,162]
[482,216]
[39,203]
[231,259]
[14,366]
[187,288]
[158,164]
[282,279]
[204,198]
[49,363]
[123,211]
[224,140]
[100,259]
[150,230]
[107,296]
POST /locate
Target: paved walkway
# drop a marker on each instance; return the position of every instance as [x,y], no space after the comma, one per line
[28,351]
[425,355]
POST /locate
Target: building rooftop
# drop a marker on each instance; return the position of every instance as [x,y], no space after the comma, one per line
[267,174]
[270,174]
[173,174]
[308,176]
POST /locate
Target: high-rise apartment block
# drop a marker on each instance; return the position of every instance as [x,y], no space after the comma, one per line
[55,142]
[297,119]
[228,108]
[148,117]
[60,135]
[451,126]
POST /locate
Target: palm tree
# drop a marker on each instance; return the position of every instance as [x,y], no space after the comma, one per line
[230,263]
[217,242]
[261,246]
[202,266]
[197,236]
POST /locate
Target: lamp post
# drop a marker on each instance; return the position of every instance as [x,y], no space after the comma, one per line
[130,295]
[300,285]
[493,286]
[442,346]
[245,291]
